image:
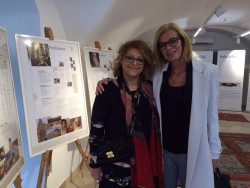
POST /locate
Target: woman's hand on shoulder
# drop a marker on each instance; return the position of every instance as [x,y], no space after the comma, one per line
[150,82]
[99,86]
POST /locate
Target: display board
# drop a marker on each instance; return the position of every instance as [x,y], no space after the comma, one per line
[53,92]
[204,56]
[248,95]
[98,66]
[11,152]
[231,64]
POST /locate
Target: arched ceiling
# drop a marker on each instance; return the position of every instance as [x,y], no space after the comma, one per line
[115,21]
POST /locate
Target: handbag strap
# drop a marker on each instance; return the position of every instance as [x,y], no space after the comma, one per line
[218,172]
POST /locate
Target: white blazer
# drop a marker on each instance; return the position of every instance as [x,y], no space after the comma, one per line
[203,142]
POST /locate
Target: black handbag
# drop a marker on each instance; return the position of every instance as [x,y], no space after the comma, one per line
[117,149]
[113,150]
[221,180]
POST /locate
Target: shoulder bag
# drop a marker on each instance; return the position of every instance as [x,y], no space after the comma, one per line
[221,180]
[113,150]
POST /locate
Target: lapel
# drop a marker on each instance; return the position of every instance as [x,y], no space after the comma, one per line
[198,115]
[157,82]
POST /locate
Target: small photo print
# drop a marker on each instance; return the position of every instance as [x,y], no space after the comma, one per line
[65,125]
[94,59]
[42,124]
[53,128]
[76,123]
[38,54]
[8,158]
[48,128]
[2,153]
[56,80]
[69,84]
[61,64]
[3,169]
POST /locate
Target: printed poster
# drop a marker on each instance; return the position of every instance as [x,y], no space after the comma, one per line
[248,95]
[203,56]
[231,64]
[11,152]
[53,92]
[98,66]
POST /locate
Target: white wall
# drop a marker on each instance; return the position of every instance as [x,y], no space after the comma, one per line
[49,17]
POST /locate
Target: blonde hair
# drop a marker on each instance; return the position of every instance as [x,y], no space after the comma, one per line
[185,41]
[145,51]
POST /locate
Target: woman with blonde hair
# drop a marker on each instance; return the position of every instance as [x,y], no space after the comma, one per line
[186,95]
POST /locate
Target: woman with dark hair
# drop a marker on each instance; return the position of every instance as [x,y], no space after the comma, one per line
[128,107]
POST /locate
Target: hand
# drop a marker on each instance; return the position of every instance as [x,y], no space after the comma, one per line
[99,87]
[215,163]
[96,173]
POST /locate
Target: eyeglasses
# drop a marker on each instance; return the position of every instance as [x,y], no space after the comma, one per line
[171,42]
[131,59]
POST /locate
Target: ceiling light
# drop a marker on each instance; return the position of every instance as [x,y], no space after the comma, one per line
[197,32]
[246,33]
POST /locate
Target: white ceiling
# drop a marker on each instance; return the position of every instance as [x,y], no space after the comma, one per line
[115,21]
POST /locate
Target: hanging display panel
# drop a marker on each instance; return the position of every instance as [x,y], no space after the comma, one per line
[231,64]
[98,66]
[203,56]
[53,92]
[11,152]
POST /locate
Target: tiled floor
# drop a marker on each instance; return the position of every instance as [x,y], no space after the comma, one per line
[236,127]
[76,180]
[80,179]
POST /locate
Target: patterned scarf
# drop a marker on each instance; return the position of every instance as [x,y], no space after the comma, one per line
[147,161]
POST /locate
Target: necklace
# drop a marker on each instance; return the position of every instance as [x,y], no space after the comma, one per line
[135,100]
[137,94]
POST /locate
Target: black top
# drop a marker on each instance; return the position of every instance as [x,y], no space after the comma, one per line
[109,111]
[175,110]
[108,118]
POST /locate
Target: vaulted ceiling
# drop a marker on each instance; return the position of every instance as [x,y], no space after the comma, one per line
[114,21]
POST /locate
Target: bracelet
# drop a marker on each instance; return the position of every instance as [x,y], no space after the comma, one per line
[98,181]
